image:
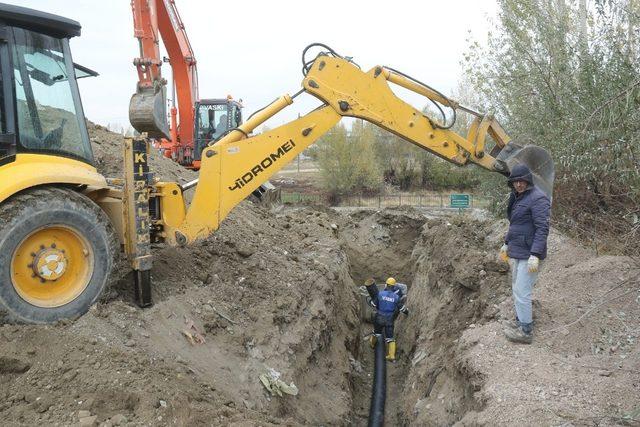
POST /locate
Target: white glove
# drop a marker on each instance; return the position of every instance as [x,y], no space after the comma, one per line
[533,264]
[503,253]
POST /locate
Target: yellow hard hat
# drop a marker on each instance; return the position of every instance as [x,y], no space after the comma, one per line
[391,281]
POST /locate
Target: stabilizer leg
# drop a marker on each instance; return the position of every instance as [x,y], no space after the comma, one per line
[142,283]
[136,217]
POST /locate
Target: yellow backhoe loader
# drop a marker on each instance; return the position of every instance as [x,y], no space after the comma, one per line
[61,222]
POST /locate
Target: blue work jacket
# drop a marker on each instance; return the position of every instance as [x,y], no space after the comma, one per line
[528,215]
[388,302]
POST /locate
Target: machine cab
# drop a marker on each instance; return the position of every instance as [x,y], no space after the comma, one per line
[40,108]
[214,118]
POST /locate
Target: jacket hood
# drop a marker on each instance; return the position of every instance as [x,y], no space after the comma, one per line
[521,173]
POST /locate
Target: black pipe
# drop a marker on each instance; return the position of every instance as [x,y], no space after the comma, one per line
[379,390]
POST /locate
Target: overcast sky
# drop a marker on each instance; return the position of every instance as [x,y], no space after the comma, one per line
[252,49]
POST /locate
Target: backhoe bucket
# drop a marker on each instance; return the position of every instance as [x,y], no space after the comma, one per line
[267,194]
[148,112]
[537,159]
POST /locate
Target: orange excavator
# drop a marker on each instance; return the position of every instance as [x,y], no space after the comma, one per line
[194,122]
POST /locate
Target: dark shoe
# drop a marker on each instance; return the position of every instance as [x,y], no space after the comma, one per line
[518,336]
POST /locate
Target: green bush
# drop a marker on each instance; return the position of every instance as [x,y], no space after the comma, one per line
[348,163]
[566,76]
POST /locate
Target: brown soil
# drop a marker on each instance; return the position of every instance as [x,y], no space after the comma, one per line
[278,290]
[108,156]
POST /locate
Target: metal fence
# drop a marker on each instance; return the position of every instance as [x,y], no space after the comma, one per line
[301,198]
[382,201]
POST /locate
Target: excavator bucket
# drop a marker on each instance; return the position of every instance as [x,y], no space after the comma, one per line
[148,112]
[537,159]
[267,194]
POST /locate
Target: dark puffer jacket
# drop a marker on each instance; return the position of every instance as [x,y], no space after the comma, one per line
[528,215]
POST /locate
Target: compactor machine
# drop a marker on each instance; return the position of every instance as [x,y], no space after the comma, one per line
[62,223]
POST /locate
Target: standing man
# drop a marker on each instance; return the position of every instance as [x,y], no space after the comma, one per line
[525,246]
[388,303]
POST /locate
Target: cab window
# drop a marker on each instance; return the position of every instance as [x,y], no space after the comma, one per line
[236,116]
[213,121]
[50,116]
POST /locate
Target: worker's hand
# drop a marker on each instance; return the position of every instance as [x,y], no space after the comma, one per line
[404,310]
[533,264]
[503,253]
[369,282]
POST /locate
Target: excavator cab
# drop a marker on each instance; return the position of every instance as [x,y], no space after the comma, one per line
[56,243]
[214,118]
[44,115]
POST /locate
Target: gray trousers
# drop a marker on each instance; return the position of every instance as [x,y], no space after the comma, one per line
[522,286]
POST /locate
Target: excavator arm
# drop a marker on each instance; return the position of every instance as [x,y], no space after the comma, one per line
[236,165]
[147,108]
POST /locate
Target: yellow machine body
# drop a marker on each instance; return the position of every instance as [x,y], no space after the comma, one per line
[232,169]
[68,254]
[30,170]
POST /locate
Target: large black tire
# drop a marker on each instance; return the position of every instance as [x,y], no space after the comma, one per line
[37,209]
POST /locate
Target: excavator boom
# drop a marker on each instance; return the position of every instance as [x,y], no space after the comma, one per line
[351,92]
[233,167]
[153,19]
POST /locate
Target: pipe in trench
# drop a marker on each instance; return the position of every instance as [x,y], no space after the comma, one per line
[379,390]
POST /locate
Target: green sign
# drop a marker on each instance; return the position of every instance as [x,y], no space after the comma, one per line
[460,201]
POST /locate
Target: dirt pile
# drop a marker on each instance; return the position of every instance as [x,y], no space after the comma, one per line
[261,292]
[584,365]
[458,285]
[108,156]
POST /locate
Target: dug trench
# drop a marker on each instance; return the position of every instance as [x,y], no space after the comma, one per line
[454,283]
[270,291]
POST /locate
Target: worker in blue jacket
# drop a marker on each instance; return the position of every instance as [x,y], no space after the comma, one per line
[525,246]
[388,303]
